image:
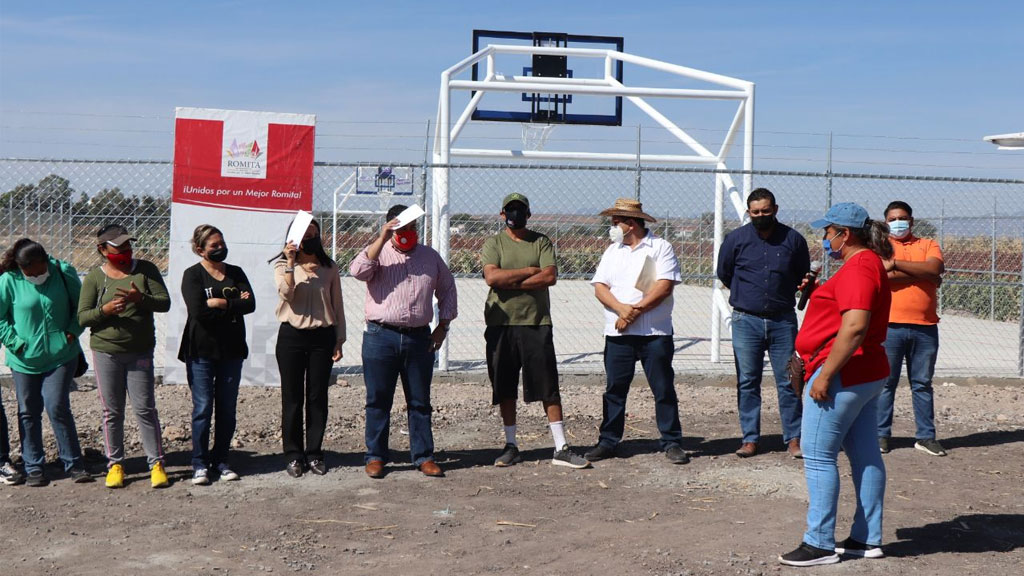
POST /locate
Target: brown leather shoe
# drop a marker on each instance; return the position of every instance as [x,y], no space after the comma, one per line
[794,448]
[747,450]
[430,468]
[375,469]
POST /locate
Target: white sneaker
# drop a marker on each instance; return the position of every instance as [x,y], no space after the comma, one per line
[200,478]
[226,473]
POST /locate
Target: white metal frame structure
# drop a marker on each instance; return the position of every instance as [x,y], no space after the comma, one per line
[446,134]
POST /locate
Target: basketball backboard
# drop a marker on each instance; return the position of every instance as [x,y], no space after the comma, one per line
[549,108]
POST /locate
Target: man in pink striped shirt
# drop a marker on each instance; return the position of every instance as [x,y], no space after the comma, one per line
[402,276]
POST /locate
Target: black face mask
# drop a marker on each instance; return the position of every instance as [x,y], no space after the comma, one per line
[515,218]
[218,255]
[762,223]
[312,245]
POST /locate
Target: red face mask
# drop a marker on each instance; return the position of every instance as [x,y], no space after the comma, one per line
[406,240]
[122,260]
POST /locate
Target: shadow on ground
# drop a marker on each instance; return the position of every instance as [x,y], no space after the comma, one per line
[972,533]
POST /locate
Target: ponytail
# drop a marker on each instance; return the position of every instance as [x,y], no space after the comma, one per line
[24,252]
[875,235]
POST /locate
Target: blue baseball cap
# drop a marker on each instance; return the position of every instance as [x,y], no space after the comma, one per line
[845,214]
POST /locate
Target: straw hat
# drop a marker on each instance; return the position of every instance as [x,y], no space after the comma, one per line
[628,208]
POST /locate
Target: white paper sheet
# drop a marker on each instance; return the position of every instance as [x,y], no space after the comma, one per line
[298,228]
[648,275]
[409,214]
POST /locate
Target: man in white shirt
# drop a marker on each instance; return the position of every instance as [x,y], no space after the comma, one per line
[634,282]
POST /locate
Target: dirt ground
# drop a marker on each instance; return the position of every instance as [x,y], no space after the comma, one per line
[638,514]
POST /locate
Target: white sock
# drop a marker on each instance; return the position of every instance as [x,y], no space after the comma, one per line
[510,434]
[558,433]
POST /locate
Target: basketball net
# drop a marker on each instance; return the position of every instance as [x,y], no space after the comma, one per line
[536,135]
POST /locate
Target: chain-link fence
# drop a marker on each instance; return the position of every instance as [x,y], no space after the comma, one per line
[978,223]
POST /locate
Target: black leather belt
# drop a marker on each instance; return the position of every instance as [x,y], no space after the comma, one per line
[766,315]
[400,329]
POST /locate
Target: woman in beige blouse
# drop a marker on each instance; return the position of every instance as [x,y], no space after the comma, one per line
[308,344]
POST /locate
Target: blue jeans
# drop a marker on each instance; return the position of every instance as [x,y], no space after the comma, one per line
[5,439]
[214,385]
[919,345]
[50,390]
[751,337]
[387,356]
[847,419]
[655,355]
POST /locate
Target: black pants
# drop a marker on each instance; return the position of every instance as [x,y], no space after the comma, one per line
[304,359]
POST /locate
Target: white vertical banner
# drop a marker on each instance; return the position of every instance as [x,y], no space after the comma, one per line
[247,173]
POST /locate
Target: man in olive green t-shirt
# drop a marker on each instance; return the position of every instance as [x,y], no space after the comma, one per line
[519,265]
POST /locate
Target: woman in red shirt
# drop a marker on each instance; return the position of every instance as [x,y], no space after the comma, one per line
[841,343]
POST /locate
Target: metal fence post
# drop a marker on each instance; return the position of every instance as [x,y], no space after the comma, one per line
[1020,320]
[636,185]
[828,201]
[942,244]
[992,263]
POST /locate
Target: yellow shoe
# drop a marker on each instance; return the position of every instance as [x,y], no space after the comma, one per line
[115,476]
[157,476]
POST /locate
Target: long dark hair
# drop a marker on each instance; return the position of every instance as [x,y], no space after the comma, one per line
[875,235]
[23,253]
[321,255]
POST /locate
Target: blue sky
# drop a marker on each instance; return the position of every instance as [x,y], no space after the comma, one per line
[907,87]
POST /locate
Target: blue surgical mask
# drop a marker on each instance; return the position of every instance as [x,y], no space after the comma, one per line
[826,245]
[899,228]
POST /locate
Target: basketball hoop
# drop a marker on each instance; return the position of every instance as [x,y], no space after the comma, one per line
[536,135]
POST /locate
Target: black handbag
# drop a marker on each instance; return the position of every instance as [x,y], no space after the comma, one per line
[83,364]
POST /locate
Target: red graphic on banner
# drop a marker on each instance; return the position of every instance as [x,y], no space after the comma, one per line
[198,149]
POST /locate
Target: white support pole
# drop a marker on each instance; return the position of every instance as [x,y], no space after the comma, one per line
[334,216]
[667,124]
[730,136]
[439,197]
[748,143]
[716,291]
[570,88]
[601,156]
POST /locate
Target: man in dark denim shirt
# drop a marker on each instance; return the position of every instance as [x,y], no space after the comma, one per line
[762,263]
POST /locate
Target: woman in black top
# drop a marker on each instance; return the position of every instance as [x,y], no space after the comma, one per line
[213,347]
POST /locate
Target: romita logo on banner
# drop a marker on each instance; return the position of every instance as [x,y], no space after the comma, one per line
[244,159]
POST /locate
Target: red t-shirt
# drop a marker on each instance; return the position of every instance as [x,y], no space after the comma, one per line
[860,284]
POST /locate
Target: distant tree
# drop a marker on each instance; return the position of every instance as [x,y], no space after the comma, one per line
[54,191]
[19,196]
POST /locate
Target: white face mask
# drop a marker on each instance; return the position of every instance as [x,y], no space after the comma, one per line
[38,280]
[899,228]
[616,234]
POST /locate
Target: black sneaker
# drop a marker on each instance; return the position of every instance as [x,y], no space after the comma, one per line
[80,476]
[509,456]
[807,555]
[10,475]
[930,446]
[566,457]
[36,480]
[318,467]
[851,547]
[294,468]
[599,452]
[883,444]
[675,455]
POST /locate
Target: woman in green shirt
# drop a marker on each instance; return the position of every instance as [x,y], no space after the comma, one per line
[117,305]
[39,328]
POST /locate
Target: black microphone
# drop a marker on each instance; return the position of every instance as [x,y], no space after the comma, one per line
[811,285]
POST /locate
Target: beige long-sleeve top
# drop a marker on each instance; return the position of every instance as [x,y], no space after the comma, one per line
[314,301]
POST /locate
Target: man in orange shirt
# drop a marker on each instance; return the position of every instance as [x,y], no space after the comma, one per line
[915,273]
